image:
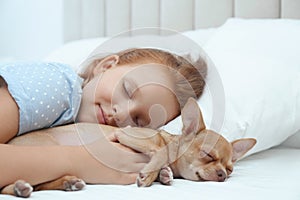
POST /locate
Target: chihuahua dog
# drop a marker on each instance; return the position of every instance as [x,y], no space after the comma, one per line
[198,154]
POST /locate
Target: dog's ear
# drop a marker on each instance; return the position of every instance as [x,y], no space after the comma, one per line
[192,118]
[241,146]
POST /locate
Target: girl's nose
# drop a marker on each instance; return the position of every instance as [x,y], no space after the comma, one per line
[123,115]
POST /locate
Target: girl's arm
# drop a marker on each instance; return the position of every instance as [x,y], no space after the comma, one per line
[35,164]
[38,164]
[9,115]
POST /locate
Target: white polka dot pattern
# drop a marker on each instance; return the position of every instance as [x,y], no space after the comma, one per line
[48,94]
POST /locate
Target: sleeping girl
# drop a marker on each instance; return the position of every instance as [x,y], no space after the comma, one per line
[139,87]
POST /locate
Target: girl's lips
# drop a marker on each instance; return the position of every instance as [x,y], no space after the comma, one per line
[100,116]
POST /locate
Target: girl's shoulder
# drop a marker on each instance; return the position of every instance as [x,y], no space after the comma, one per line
[47,93]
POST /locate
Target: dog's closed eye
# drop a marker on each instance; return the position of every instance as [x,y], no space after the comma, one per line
[229,170]
[207,156]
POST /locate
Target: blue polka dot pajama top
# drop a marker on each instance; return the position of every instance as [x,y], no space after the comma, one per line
[48,94]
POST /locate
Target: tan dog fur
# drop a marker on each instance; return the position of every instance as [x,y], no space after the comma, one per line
[197,154]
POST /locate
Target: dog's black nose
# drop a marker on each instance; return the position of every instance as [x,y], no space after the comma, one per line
[221,175]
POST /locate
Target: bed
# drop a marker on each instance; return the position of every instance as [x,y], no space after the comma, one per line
[253,47]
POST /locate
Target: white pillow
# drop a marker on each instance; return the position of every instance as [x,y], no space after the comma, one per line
[200,36]
[259,64]
[75,52]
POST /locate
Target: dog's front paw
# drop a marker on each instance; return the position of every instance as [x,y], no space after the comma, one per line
[72,183]
[166,176]
[22,189]
[145,179]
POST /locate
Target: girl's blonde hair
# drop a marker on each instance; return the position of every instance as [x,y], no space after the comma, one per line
[189,77]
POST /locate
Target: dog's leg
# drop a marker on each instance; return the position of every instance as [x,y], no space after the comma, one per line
[166,176]
[150,172]
[66,183]
[153,146]
[19,189]
[146,141]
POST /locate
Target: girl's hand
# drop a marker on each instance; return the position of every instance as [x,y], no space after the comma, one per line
[107,161]
[116,156]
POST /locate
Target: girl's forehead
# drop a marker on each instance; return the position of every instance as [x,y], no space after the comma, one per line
[149,73]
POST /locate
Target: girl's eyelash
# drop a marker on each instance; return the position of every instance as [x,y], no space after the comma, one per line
[126,86]
[130,87]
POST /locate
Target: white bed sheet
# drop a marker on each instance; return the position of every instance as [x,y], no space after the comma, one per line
[272,174]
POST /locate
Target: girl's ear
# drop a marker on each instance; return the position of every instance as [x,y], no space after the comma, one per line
[106,63]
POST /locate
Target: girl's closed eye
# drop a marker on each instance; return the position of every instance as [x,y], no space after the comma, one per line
[129,87]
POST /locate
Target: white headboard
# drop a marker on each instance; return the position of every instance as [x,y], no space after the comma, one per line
[95,18]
